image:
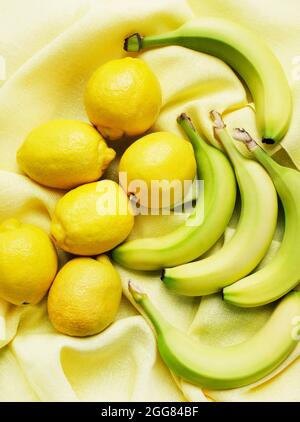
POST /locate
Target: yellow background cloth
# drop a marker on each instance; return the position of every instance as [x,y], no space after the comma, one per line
[51,49]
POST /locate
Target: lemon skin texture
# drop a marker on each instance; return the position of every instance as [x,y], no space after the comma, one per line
[158,156]
[92,218]
[64,154]
[123,98]
[85,296]
[28,262]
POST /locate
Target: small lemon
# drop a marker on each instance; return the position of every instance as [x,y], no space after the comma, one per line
[92,218]
[28,262]
[64,154]
[85,296]
[123,97]
[159,156]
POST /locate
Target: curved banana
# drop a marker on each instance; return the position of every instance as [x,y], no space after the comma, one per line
[195,236]
[231,366]
[247,54]
[282,273]
[252,238]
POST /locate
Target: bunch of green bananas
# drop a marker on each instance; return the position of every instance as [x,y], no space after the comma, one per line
[232,268]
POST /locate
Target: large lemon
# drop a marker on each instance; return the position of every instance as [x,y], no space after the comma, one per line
[164,162]
[123,97]
[28,262]
[92,218]
[64,154]
[85,296]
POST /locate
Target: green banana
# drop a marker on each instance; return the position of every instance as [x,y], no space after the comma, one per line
[253,236]
[282,273]
[247,54]
[194,237]
[225,367]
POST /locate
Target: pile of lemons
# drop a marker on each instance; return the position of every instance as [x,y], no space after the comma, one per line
[122,99]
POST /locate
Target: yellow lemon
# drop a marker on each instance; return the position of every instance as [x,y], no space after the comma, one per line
[85,296]
[92,218]
[123,97]
[28,262]
[64,154]
[164,162]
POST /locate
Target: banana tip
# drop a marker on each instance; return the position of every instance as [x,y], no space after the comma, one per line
[135,292]
[243,136]
[133,43]
[184,118]
[268,141]
[216,117]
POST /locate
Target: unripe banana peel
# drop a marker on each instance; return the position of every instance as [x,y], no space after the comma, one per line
[228,367]
[252,237]
[282,273]
[247,54]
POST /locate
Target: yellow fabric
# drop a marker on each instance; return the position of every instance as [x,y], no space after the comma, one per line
[51,49]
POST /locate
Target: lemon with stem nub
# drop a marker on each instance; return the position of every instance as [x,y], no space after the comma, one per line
[85,296]
[28,262]
[123,98]
[64,154]
[92,218]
